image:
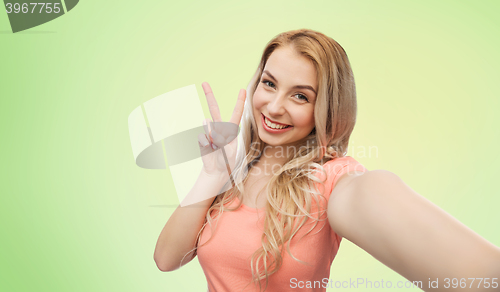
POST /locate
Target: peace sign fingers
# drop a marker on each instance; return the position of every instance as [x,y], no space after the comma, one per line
[238,108]
[221,135]
[212,103]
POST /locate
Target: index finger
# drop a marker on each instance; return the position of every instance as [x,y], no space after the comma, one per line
[212,103]
[238,108]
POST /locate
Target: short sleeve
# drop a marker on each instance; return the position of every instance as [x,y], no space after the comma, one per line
[335,169]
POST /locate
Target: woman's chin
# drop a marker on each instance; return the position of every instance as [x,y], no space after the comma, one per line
[273,142]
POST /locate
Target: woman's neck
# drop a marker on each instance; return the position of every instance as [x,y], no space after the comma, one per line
[272,159]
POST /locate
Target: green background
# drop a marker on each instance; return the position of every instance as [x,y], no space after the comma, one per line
[77,214]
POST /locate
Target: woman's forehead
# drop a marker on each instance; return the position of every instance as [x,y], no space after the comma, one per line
[289,67]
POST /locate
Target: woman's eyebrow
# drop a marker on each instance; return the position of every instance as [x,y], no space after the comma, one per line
[296,86]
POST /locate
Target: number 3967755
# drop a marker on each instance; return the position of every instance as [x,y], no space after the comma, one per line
[33,8]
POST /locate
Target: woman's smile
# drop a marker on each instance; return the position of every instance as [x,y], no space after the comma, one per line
[274,127]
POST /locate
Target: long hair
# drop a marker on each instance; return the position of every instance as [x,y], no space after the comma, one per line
[290,191]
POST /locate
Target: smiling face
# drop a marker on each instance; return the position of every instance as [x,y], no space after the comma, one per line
[285,97]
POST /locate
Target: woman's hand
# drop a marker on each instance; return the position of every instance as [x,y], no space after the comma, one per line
[218,135]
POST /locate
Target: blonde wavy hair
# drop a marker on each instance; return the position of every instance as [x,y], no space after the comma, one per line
[290,191]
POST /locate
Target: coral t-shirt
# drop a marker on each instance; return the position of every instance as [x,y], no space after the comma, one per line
[225,259]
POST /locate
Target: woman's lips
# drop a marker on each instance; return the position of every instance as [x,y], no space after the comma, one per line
[272,130]
[275,122]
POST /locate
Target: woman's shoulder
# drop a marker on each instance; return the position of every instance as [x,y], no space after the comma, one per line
[342,164]
[338,167]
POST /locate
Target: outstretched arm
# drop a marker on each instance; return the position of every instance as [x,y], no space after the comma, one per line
[381,214]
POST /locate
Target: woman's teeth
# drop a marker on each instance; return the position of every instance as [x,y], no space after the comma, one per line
[273,125]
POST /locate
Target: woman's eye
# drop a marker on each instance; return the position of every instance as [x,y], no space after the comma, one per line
[302,97]
[268,83]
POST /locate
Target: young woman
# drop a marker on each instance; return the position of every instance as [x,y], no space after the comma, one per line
[296,194]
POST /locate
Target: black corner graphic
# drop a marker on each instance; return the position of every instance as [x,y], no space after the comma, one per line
[24,15]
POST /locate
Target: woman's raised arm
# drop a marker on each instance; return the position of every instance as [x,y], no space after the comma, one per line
[175,244]
[381,214]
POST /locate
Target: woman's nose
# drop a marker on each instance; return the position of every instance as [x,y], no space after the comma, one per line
[276,107]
